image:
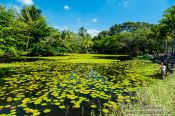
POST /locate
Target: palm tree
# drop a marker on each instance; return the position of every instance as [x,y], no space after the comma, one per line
[31,16]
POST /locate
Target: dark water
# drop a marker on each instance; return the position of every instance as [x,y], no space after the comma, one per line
[10,60]
[84,111]
[26,59]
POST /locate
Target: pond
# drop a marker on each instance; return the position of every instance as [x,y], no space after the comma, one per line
[59,86]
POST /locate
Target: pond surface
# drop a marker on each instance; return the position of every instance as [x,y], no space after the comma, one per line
[52,87]
[121,58]
[22,59]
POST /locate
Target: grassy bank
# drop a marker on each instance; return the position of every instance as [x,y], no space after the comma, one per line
[155,100]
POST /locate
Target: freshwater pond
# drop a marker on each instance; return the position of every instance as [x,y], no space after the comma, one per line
[50,87]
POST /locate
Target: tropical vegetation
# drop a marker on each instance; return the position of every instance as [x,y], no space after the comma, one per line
[44,70]
[28,33]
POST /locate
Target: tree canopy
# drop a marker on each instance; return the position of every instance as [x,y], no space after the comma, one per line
[28,33]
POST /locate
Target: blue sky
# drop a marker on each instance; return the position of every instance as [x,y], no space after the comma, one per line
[95,15]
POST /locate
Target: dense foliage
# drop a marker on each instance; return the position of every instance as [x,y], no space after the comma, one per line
[28,33]
[130,38]
[139,37]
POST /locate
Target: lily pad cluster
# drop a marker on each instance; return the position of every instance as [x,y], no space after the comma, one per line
[34,87]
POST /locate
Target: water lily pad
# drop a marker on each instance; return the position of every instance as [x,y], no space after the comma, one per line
[47,110]
[105,110]
[93,106]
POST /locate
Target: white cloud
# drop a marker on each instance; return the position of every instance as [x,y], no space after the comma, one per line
[93,32]
[94,20]
[66,7]
[26,2]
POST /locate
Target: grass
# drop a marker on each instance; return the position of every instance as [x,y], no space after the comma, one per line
[155,100]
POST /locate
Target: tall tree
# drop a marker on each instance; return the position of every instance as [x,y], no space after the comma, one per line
[7,31]
[37,27]
[129,27]
[168,22]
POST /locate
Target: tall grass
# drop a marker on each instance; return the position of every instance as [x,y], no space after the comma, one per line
[155,100]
